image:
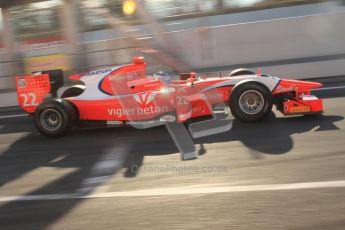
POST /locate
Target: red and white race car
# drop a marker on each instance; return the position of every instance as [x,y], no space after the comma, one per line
[128,95]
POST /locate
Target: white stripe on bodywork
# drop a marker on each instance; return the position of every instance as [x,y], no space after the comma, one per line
[14,115]
[269,82]
[92,91]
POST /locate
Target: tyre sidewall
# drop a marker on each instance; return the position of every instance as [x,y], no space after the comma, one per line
[241,89]
[239,72]
[66,111]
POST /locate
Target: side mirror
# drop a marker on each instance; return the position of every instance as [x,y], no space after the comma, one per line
[138,60]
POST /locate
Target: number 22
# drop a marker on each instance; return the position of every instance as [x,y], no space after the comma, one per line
[29,99]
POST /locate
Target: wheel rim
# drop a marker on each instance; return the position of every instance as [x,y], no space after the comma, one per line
[251,102]
[51,119]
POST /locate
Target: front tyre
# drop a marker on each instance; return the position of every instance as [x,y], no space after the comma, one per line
[250,102]
[239,72]
[55,118]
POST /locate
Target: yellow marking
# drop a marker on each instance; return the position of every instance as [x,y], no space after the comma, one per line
[300,109]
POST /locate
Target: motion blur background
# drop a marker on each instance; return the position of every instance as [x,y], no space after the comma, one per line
[282,173]
[289,38]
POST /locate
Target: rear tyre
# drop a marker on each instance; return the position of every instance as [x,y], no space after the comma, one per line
[250,102]
[55,118]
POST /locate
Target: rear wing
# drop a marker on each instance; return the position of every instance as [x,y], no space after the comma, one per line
[31,91]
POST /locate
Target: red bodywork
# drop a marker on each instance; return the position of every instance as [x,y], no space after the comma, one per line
[137,105]
[129,94]
[303,102]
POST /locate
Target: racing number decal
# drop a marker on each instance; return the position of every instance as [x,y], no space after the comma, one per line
[31,91]
[182,100]
[29,99]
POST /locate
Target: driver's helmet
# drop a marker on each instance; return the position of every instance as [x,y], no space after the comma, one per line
[162,76]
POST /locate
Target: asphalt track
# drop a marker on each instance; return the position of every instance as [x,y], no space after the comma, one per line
[282,173]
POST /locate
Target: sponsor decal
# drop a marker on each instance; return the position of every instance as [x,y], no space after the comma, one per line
[168,118]
[96,72]
[281,89]
[300,109]
[36,64]
[213,96]
[114,122]
[21,83]
[144,98]
[137,111]
[148,122]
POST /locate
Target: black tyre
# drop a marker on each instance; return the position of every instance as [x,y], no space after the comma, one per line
[73,91]
[55,118]
[250,102]
[239,72]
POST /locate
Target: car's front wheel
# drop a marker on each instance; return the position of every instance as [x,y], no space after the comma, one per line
[55,118]
[250,102]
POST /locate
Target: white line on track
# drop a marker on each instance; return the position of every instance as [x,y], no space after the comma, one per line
[132,30]
[175,23]
[15,115]
[209,189]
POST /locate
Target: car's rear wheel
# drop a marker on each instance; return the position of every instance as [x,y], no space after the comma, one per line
[250,102]
[55,118]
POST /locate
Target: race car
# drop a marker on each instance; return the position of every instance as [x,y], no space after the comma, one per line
[129,95]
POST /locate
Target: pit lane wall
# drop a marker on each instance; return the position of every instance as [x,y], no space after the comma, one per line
[299,47]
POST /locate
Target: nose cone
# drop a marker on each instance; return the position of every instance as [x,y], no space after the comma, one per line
[303,84]
[312,84]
